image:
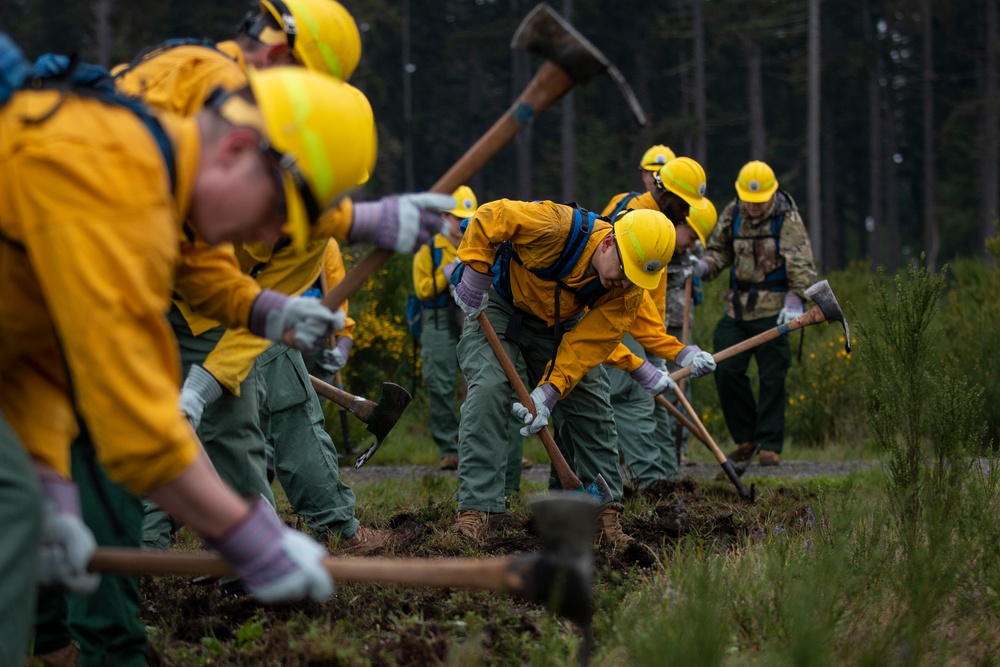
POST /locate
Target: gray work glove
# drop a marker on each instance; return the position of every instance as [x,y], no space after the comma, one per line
[700,268]
[544,398]
[472,292]
[702,363]
[200,390]
[793,309]
[336,358]
[653,380]
[67,544]
[276,563]
[402,223]
[311,322]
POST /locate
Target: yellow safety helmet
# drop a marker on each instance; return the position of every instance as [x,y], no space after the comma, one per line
[685,178]
[467,202]
[321,34]
[655,157]
[320,131]
[703,221]
[756,182]
[646,240]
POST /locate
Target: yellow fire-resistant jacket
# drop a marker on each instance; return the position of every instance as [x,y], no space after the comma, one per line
[180,79]
[88,248]
[233,356]
[428,282]
[538,232]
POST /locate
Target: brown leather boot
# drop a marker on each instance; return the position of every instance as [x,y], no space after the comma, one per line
[67,656]
[471,524]
[609,529]
[365,540]
[449,463]
[743,452]
[769,458]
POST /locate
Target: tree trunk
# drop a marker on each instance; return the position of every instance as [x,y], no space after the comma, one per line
[835,235]
[568,131]
[813,134]
[408,67]
[891,149]
[932,239]
[874,223]
[989,167]
[103,37]
[755,100]
[700,142]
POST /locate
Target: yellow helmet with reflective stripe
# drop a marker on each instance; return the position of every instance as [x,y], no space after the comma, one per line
[703,221]
[467,202]
[320,131]
[321,34]
[655,157]
[756,182]
[685,178]
[646,240]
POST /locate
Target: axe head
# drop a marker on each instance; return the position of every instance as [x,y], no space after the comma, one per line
[599,491]
[547,34]
[823,296]
[391,404]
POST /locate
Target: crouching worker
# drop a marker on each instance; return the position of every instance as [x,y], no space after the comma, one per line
[567,288]
[86,275]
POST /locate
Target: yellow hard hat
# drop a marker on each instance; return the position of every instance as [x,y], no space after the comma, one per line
[645,241]
[320,131]
[685,178]
[703,221]
[656,157]
[467,202]
[756,182]
[321,34]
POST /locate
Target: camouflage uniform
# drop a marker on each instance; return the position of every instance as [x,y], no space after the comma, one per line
[753,302]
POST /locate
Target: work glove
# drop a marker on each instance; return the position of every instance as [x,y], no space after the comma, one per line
[310,321]
[702,363]
[544,398]
[336,358]
[402,223]
[67,544]
[471,293]
[449,269]
[699,269]
[200,390]
[793,309]
[276,563]
[653,380]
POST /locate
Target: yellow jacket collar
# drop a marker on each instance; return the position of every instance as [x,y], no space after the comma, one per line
[233,50]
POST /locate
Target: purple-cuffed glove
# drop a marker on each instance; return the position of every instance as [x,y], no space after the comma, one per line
[472,292]
[702,363]
[311,322]
[449,269]
[276,563]
[545,398]
[699,269]
[336,358]
[200,390]
[402,223]
[653,380]
[792,310]
[67,544]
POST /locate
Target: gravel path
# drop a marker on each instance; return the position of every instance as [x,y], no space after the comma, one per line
[540,472]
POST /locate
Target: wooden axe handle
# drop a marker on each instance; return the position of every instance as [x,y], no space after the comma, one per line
[567,477]
[480,573]
[361,408]
[699,428]
[549,84]
[812,316]
[679,416]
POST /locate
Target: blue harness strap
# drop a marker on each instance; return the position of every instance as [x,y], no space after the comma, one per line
[623,205]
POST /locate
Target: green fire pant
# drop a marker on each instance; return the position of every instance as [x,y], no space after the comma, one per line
[646,458]
[666,426]
[438,345]
[763,422]
[21,518]
[106,623]
[583,421]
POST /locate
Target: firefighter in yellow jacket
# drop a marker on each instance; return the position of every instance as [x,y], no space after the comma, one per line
[565,288]
[84,340]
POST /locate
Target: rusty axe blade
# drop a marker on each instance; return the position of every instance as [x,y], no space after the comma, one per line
[822,295]
[549,35]
[391,404]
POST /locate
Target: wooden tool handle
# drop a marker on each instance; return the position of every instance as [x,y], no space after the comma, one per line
[480,573]
[567,477]
[812,316]
[696,422]
[360,407]
[679,416]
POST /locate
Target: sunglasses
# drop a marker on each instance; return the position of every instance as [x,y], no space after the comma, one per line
[621,264]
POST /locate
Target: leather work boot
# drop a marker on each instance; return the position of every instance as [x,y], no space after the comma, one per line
[743,452]
[471,524]
[67,656]
[527,464]
[365,540]
[609,530]
[769,458]
[448,463]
